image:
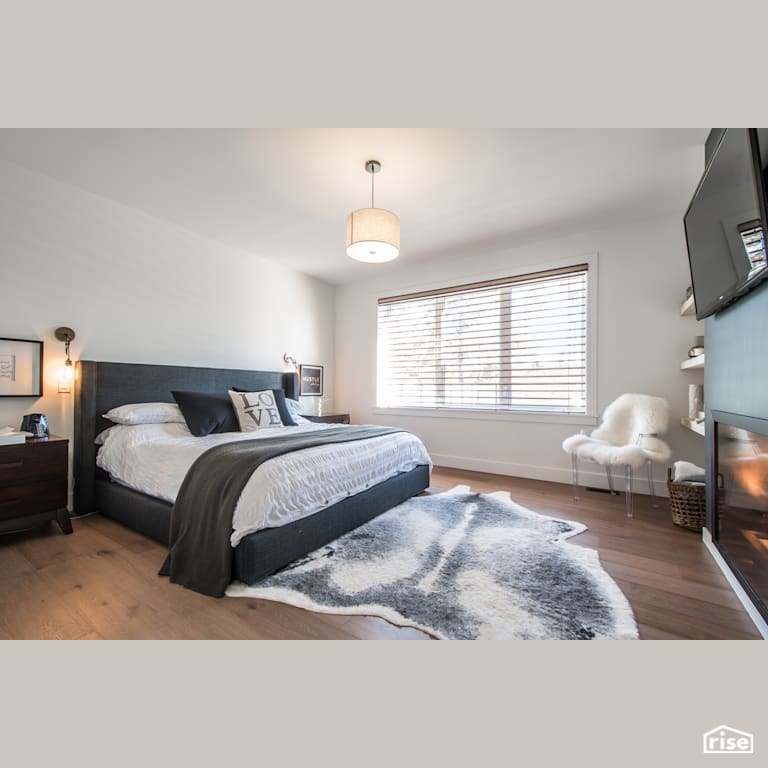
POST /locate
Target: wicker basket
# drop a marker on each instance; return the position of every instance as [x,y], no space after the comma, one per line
[688,503]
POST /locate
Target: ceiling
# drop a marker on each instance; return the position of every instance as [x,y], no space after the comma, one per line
[285,194]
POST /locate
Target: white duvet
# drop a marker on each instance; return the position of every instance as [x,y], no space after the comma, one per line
[154,458]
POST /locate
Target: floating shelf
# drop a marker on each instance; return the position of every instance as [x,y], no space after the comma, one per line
[688,307]
[694,426]
[692,363]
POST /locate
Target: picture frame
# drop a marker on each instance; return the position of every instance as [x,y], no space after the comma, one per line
[21,367]
[311,380]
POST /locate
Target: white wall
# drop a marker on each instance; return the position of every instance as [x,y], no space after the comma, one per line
[137,289]
[641,340]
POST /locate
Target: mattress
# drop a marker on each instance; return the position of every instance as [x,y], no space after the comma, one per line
[154,459]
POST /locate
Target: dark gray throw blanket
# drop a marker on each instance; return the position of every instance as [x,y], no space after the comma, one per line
[200,553]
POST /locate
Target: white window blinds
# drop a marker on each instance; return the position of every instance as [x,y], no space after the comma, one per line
[514,344]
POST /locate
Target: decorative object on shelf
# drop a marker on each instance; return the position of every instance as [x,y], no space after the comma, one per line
[697,348]
[21,368]
[290,360]
[65,334]
[311,380]
[373,234]
[695,401]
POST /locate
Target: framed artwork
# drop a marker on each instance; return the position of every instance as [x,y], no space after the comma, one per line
[310,380]
[21,368]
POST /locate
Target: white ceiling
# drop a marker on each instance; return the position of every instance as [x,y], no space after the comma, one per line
[285,194]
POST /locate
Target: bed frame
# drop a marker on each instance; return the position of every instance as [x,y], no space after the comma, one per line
[100,386]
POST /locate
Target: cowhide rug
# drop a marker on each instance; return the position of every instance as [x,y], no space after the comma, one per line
[460,565]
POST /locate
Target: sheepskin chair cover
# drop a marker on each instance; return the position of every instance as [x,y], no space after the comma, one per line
[616,441]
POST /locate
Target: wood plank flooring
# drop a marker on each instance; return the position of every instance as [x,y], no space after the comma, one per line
[101,582]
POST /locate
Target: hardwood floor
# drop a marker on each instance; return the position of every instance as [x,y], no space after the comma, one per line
[102,582]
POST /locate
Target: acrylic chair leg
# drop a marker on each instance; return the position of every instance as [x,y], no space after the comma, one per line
[575,476]
[610,480]
[628,489]
[654,502]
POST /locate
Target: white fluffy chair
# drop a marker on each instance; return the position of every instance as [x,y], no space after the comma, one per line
[628,437]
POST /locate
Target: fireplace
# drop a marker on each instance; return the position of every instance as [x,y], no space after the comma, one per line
[738,501]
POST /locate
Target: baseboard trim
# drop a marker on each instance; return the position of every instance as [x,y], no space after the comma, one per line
[587,476]
[749,606]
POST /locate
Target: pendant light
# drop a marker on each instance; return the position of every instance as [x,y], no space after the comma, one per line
[373,234]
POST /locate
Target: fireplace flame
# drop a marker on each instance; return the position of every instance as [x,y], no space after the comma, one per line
[752,475]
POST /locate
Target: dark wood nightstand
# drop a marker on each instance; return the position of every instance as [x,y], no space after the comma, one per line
[33,484]
[329,418]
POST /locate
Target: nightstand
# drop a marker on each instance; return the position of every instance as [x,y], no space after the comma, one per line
[33,484]
[329,418]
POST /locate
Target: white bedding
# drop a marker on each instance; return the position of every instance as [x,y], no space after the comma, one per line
[154,458]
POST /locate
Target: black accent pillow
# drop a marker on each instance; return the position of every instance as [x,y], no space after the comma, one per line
[206,414]
[282,407]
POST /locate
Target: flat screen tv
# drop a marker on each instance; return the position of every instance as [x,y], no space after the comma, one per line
[725,224]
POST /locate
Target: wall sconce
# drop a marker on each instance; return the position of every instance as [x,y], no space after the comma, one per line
[290,359]
[68,372]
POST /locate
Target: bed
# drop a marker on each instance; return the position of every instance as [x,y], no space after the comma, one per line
[100,386]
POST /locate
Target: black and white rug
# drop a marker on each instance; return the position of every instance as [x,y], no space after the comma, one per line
[460,565]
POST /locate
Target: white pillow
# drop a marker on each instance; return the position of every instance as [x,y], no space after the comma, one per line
[101,438]
[149,431]
[145,413]
[295,408]
[256,410]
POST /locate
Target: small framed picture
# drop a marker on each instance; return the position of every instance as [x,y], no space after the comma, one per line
[311,380]
[21,368]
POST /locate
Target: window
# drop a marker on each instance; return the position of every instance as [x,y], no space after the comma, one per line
[513,344]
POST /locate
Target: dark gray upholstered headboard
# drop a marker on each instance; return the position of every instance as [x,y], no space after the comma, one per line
[101,386]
